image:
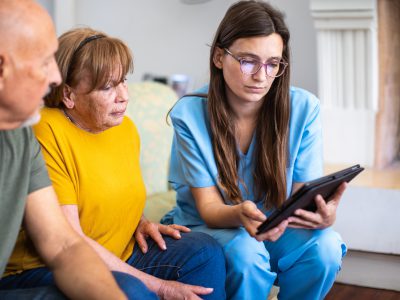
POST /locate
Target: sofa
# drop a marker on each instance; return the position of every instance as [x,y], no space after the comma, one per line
[148,107]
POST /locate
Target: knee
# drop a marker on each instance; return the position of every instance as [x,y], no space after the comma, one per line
[328,252]
[204,248]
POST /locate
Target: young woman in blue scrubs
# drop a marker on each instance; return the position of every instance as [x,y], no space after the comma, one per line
[241,146]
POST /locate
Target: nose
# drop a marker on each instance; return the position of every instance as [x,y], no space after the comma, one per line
[122,92]
[261,74]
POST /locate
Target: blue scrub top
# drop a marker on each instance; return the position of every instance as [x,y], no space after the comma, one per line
[192,158]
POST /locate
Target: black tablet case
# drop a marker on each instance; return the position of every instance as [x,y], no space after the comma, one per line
[304,197]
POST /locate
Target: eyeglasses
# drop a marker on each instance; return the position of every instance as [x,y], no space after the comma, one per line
[250,66]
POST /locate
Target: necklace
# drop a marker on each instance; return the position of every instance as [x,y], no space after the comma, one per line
[69,117]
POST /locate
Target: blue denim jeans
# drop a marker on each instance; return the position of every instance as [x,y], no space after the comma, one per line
[39,293]
[38,284]
[194,259]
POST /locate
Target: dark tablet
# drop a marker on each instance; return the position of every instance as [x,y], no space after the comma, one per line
[304,197]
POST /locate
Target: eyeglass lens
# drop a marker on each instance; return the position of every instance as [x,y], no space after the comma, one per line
[252,67]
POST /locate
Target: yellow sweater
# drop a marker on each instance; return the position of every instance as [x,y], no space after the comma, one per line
[99,173]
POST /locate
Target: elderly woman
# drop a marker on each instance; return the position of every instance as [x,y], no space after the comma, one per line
[92,153]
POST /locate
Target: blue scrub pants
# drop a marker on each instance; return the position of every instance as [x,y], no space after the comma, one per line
[195,259]
[303,263]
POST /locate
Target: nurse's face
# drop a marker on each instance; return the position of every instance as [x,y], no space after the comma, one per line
[244,82]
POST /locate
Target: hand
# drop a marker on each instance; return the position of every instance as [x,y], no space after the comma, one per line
[250,217]
[173,290]
[325,215]
[149,229]
[273,234]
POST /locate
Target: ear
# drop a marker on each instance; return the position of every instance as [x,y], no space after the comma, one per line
[218,56]
[2,71]
[68,97]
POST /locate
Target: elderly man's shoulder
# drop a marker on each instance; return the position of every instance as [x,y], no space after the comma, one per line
[21,136]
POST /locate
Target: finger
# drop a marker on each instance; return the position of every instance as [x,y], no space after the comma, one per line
[306,215]
[339,192]
[180,227]
[315,220]
[251,229]
[157,237]
[199,290]
[276,236]
[274,233]
[250,210]
[266,235]
[293,221]
[298,226]
[169,230]
[141,241]
[255,214]
[322,207]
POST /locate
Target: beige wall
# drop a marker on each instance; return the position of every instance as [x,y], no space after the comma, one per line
[169,37]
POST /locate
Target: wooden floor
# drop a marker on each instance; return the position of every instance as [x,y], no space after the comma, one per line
[351,292]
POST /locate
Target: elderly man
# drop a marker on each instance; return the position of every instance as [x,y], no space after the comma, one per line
[27,70]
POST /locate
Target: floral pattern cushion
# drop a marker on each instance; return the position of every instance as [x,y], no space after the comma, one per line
[148,107]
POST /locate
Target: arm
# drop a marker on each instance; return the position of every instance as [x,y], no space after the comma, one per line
[217,214]
[165,289]
[77,270]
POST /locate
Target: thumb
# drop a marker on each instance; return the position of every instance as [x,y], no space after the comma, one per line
[199,290]
[251,211]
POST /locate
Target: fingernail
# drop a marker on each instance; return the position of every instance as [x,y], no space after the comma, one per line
[164,247]
[178,235]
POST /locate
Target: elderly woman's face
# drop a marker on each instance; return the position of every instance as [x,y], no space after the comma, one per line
[102,108]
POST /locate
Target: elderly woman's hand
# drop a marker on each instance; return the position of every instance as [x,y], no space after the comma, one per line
[147,229]
[325,215]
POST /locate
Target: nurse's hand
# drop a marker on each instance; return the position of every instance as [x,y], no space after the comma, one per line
[325,215]
[273,234]
[251,217]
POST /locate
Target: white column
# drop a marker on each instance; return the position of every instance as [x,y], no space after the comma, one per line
[348,79]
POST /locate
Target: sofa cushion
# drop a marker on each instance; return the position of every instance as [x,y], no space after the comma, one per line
[158,204]
[148,107]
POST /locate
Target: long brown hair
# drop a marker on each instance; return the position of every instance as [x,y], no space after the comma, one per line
[85,51]
[249,19]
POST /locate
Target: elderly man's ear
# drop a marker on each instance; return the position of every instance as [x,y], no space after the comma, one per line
[68,97]
[2,71]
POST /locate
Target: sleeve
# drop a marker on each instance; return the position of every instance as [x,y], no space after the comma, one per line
[309,160]
[39,177]
[62,178]
[192,159]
